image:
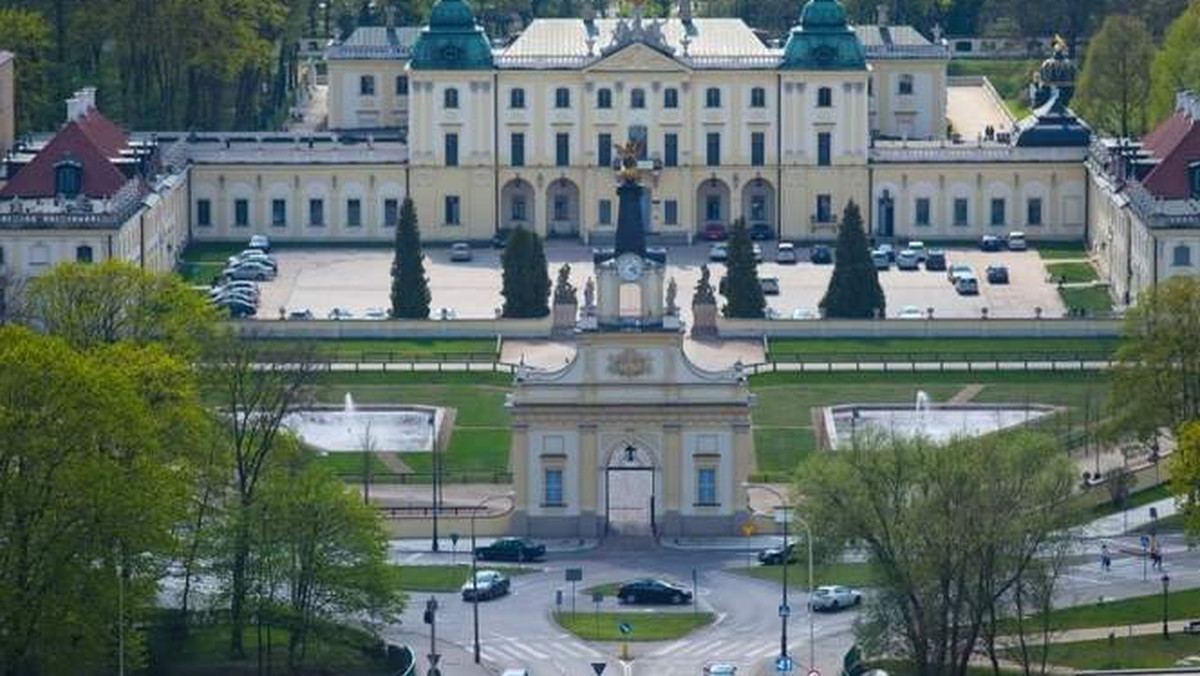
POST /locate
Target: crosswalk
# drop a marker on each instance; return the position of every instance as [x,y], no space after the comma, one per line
[504,650]
[739,650]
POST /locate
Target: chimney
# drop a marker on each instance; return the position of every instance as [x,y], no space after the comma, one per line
[75,108]
[88,96]
[881,15]
[685,12]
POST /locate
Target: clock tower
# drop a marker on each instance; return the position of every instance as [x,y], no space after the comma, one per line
[630,277]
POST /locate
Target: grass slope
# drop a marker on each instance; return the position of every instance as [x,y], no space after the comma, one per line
[445,579]
[1072,272]
[878,349]
[1134,652]
[1093,299]
[1181,605]
[647,626]
[849,574]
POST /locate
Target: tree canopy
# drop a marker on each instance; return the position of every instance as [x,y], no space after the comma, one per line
[1114,86]
[1177,64]
[1185,475]
[854,291]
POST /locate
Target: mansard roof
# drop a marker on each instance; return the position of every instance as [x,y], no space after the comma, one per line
[90,140]
[823,40]
[1175,144]
[377,42]
[452,40]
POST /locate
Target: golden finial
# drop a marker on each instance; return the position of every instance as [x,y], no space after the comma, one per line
[628,153]
[1059,44]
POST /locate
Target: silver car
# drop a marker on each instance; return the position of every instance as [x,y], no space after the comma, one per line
[834,598]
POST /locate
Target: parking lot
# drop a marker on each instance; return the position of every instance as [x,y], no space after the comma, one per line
[357,279]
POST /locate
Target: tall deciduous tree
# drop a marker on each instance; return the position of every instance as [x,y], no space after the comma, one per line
[1114,86]
[950,531]
[1177,64]
[743,292]
[526,287]
[410,285]
[1185,475]
[27,35]
[854,291]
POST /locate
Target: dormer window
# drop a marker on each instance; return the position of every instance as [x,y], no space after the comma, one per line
[68,178]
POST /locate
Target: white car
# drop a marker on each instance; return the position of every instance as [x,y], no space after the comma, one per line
[907,259]
[966,285]
[261,242]
[785,253]
[757,253]
[488,584]
[957,271]
[918,247]
[250,270]
[718,253]
[805,313]
[460,252]
[1016,241]
[834,598]
[340,313]
[253,255]
[911,312]
[375,313]
[720,669]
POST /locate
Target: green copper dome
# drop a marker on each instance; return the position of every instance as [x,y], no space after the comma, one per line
[452,40]
[823,40]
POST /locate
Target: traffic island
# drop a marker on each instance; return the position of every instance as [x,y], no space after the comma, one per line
[446,579]
[632,626]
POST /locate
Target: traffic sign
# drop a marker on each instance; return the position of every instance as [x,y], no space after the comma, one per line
[785,610]
[625,628]
[574,574]
[814,672]
[434,658]
[597,598]
[598,667]
[784,664]
[749,528]
[454,539]
[1145,542]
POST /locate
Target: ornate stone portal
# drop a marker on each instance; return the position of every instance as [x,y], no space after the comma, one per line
[630,437]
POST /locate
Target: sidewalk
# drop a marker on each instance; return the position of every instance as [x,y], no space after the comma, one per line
[1116,525]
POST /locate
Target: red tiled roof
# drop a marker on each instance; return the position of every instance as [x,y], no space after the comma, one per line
[101,178]
[107,136]
[1175,144]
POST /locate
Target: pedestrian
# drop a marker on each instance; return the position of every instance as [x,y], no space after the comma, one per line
[1105,559]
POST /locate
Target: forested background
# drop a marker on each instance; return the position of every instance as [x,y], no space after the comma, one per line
[228,64]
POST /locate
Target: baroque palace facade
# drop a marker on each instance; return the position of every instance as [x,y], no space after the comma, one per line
[484,137]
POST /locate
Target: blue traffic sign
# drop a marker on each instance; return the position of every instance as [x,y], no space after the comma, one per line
[784,664]
[784,610]
[625,628]
[1145,542]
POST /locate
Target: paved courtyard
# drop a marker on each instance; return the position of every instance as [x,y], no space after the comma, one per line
[356,279]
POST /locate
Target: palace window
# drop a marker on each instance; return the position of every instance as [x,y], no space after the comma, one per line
[203,213]
[278,213]
[241,213]
[562,208]
[316,212]
[68,178]
[604,148]
[562,149]
[712,208]
[639,135]
[450,98]
[706,486]
[517,149]
[758,98]
[604,98]
[452,210]
[961,211]
[1033,211]
[637,98]
[391,212]
[922,209]
[824,149]
[824,209]
[758,154]
[998,209]
[83,254]
[670,212]
[353,212]
[451,150]
[670,97]
[758,208]
[712,97]
[824,97]
[554,488]
[713,149]
[366,85]
[401,85]
[1181,256]
[562,98]
[905,85]
[516,98]
[670,149]
[605,212]
[519,209]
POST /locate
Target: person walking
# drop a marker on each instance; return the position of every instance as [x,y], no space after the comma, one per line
[1105,559]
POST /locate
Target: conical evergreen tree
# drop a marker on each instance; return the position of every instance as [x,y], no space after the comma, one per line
[526,287]
[410,286]
[742,288]
[854,291]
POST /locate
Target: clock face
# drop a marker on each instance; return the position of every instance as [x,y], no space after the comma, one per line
[629,266]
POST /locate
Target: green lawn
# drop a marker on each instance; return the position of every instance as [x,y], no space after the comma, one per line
[650,626]
[878,349]
[351,350]
[1073,272]
[1061,250]
[1152,651]
[1009,77]
[1182,605]
[445,579]
[849,574]
[1137,498]
[1093,299]
[350,462]
[1167,524]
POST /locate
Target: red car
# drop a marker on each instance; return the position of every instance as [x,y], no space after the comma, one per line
[714,232]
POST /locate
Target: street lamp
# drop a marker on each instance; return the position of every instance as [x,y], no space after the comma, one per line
[1166,580]
[784,611]
[474,567]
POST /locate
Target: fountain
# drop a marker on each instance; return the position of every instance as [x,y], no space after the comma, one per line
[394,429]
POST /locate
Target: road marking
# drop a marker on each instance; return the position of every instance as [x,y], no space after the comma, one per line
[761,651]
[509,657]
[521,647]
[667,650]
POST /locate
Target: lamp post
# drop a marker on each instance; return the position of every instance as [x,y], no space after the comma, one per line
[1166,580]
[433,448]
[474,568]
[784,610]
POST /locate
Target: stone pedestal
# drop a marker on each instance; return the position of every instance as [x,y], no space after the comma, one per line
[564,319]
[704,320]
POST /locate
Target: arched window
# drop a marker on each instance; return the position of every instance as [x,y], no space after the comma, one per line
[712,97]
[68,178]
[450,98]
[366,85]
[604,98]
[758,98]
[83,254]
[516,98]
[1181,256]
[637,98]
[670,97]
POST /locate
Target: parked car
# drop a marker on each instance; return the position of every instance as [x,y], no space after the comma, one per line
[821,255]
[718,253]
[250,270]
[500,238]
[238,284]
[653,591]
[889,250]
[253,255]
[238,308]
[511,549]
[758,257]
[785,253]
[260,242]
[446,314]
[520,671]
[957,270]
[460,252]
[880,260]
[775,556]
[935,260]
[907,260]
[715,231]
[339,313]
[303,313]
[761,231]
[911,312]
[834,598]
[967,285]
[997,274]
[237,287]
[1016,241]
[232,295]
[375,313]
[488,584]
[719,669]
[918,247]
[989,243]
[770,285]
[805,313]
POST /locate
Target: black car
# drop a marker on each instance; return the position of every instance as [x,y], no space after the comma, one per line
[990,243]
[935,259]
[776,556]
[500,239]
[761,231]
[997,274]
[821,255]
[511,549]
[652,591]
